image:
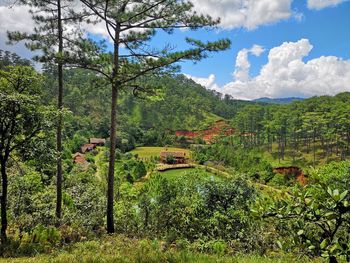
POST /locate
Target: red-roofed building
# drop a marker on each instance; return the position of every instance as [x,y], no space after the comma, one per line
[79,158]
[87,147]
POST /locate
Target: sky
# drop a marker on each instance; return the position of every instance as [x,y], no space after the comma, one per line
[280,48]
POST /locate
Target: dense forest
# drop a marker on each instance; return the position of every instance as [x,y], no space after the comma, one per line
[93,168]
[320,124]
[89,106]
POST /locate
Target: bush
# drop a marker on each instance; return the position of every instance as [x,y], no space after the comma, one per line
[40,240]
[319,220]
[191,207]
[170,159]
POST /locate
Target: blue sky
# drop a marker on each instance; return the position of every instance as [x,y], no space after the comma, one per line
[301,47]
[328,31]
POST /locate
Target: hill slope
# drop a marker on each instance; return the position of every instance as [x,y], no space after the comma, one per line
[180,104]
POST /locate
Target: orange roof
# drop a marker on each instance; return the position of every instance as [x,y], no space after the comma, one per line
[87,147]
[79,158]
[77,155]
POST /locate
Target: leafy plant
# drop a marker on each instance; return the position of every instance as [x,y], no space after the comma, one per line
[320,218]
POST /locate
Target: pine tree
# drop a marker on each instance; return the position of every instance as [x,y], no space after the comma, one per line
[130,25]
[56,44]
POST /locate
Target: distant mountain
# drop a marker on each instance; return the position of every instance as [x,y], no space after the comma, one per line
[278,100]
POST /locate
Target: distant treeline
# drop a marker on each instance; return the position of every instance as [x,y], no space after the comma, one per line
[319,125]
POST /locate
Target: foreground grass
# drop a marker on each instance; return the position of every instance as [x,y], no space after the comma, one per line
[148,152]
[122,249]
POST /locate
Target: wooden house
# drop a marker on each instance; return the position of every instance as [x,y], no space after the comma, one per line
[179,157]
[87,148]
[98,141]
[79,158]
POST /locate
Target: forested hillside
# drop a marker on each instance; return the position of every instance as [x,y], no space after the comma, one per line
[228,204]
[317,129]
[177,104]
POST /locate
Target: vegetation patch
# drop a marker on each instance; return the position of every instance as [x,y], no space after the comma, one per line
[129,250]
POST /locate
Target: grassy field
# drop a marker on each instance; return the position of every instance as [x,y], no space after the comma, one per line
[170,174]
[121,249]
[148,152]
[176,172]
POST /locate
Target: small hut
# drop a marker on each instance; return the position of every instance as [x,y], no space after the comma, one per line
[79,158]
[87,148]
[179,157]
[98,141]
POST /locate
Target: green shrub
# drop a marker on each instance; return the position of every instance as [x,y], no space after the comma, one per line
[219,247]
[170,159]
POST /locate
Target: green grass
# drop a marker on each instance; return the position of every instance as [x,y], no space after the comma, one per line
[176,172]
[121,249]
[148,152]
[173,174]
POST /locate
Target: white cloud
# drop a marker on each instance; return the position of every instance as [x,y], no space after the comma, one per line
[320,4]
[12,19]
[15,18]
[208,83]
[248,13]
[257,50]
[286,74]
[299,17]
[242,63]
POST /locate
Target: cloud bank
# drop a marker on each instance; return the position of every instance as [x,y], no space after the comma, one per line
[286,75]
[248,14]
[320,4]
[234,14]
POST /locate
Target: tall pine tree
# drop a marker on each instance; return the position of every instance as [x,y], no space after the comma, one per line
[55,40]
[131,24]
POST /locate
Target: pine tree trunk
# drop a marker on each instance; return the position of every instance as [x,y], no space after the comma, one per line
[314,148]
[333,259]
[279,148]
[60,118]
[113,135]
[112,150]
[295,144]
[3,202]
